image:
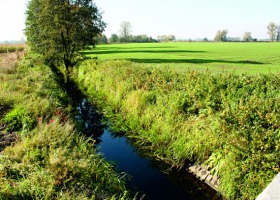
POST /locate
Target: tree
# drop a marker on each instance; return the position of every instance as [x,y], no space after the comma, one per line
[60,29]
[247,37]
[166,38]
[140,38]
[271,30]
[101,39]
[114,38]
[125,31]
[278,34]
[221,36]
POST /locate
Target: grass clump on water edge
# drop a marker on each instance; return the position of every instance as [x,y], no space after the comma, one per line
[51,160]
[54,162]
[228,122]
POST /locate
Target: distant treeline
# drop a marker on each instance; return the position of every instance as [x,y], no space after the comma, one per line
[114,38]
[102,39]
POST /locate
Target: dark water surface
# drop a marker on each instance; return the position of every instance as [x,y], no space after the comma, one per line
[146,177]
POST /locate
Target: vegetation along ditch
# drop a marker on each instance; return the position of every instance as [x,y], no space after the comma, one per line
[229,123]
[145,178]
[210,107]
[49,158]
[53,155]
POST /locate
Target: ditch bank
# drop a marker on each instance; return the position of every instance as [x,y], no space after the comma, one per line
[52,160]
[229,123]
[146,178]
[6,138]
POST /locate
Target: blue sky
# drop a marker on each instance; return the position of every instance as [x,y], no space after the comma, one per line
[183,18]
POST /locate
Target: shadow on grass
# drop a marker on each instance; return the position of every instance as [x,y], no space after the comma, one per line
[85,115]
[194,61]
[131,48]
[118,51]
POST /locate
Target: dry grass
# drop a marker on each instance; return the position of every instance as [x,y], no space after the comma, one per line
[8,61]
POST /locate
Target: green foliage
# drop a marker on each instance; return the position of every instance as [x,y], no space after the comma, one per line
[221,36]
[54,162]
[16,119]
[272,29]
[229,122]
[101,39]
[51,160]
[114,38]
[59,30]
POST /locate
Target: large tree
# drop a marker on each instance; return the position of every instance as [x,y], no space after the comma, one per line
[125,31]
[221,36]
[271,30]
[60,29]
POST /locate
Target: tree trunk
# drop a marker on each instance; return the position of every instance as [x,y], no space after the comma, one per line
[68,67]
[278,34]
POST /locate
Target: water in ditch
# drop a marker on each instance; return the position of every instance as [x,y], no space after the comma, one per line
[146,178]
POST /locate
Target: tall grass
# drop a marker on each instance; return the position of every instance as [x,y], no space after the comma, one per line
[51,160]
[228,122]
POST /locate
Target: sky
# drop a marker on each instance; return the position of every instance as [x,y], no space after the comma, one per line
[186,19]
[12,19]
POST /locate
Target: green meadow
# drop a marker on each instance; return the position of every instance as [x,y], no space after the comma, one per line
[250,58]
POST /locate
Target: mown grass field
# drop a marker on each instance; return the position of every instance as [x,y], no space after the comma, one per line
[250,58]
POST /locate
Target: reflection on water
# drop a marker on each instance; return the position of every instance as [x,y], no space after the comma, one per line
[89,119]
[146,177]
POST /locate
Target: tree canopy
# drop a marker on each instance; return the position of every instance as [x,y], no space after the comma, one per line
[271,30]
[125,31]
[221,36]
[247,36]
[166,38]
[60,29]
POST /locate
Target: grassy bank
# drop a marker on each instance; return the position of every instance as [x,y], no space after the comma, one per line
[228,122]
[251,58]
[50,159]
